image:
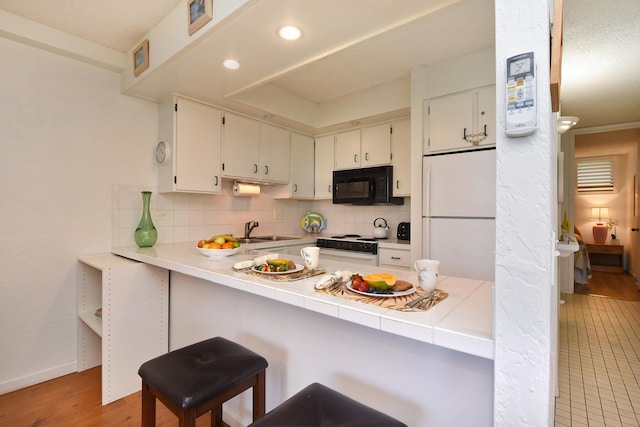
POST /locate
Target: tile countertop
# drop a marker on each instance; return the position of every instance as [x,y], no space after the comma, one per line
[394,244]
[462,322]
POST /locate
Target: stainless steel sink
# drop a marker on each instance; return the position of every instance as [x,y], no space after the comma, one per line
[274,238]
[251,240]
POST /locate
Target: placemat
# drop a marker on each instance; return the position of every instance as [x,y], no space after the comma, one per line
[396,303]
[285,277]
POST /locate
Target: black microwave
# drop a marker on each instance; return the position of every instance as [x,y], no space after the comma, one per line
[365,186]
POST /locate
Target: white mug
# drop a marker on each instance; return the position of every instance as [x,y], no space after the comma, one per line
[428,270]
[311,257]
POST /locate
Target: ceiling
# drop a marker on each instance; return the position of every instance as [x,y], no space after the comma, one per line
[349,46]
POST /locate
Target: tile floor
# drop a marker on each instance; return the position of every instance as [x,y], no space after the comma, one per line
[599,370]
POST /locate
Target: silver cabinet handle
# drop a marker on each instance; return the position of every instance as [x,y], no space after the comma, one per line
[255,168]
[295,188]
[355,158]
[329,188]
[395,257]
[366,156]
[398,184]
[216,181]
[266,170]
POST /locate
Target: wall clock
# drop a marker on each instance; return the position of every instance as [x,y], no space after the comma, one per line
[162,152]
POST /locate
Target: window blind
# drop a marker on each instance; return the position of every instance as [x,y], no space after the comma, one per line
[595,175]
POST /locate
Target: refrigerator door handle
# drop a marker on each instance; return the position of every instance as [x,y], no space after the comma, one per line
[426,206]
[426,237]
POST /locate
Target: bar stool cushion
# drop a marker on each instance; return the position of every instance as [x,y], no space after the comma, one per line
[191,375]
[317,405]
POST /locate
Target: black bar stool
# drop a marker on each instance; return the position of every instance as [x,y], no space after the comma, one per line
[199,378]
[317,406]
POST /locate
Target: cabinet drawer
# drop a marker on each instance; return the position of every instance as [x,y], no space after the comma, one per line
[395,257]
[605,249]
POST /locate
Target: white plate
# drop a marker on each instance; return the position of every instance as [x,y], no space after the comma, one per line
[218,253]
[294,270]
[392,294]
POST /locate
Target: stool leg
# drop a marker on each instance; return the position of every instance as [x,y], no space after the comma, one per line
[216,416]
[187,418]
[148,406]
[259,405]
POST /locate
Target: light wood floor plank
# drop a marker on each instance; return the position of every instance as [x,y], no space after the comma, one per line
[75,401]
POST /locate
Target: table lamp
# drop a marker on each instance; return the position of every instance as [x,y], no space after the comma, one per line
[599,230]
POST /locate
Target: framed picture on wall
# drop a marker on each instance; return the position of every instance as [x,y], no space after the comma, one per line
[141,58]
[199,13]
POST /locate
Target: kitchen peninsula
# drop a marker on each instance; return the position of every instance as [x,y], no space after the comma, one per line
[416,366]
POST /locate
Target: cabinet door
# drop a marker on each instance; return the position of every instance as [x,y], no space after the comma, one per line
[274,154]
[324,164]
[198,130]
[487,114]
[240,147]
[375,148]
[302,167]
[448,117]
[347,149]
[401,157]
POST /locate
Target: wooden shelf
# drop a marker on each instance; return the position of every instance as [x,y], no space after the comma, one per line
[92,321]
[134,323]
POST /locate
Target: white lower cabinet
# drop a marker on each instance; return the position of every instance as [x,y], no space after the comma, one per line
[394,257]
[134,299]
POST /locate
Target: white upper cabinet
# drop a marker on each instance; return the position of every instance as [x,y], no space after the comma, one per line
[302,167]
[324,165]
[401,157]
[375,147]
[461,121]
[240,147]
[486,113]
[347,149]
[274,154]
[254,151]
[361,148]
[189,151]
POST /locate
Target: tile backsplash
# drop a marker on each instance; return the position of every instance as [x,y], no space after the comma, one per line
[189,217]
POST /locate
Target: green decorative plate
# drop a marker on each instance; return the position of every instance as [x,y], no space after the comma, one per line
[313,222]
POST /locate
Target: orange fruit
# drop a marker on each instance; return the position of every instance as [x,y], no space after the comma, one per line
[214,245]
[228,245]
[381,281]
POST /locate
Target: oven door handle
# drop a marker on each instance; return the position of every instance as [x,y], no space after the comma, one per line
[347,254]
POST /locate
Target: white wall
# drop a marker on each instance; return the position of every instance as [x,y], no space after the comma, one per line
[67,136]
[526,295]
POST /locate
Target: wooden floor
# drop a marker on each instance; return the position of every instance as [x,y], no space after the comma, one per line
[613,285]
[75,401]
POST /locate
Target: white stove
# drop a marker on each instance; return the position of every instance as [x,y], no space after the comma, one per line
[349,248]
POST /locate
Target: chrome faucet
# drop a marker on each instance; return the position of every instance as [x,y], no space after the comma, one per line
[248,227]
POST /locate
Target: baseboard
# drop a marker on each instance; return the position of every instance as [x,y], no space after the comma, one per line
[38,377]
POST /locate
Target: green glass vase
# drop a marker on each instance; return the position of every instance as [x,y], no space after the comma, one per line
[146,233]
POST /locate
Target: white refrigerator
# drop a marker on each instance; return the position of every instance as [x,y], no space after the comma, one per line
[458,213]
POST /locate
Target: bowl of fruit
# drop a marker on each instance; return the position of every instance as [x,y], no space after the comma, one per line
[219,246]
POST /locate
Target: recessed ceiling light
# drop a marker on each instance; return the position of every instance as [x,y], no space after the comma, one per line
[289,32]
[231,64]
